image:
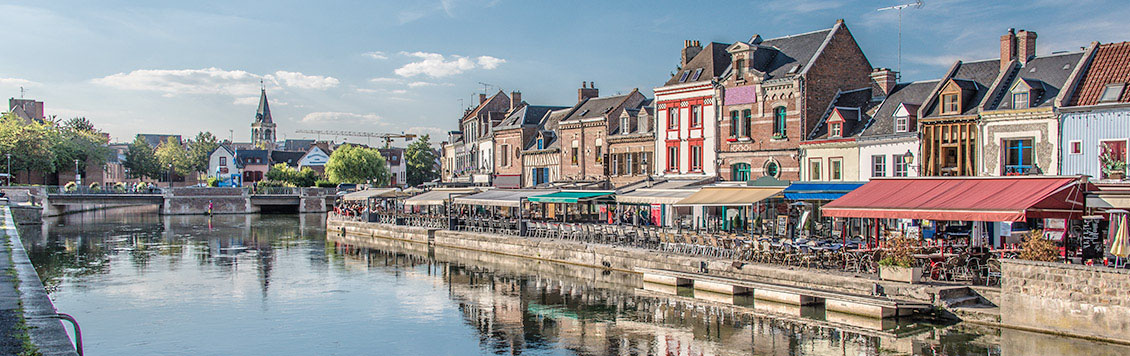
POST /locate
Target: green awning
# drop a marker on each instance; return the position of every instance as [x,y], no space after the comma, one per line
[569,196]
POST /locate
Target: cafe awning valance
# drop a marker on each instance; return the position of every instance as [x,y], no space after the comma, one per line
[963,199]
[437,196]
[499,197]
[654,196]
[570,196]
[729,196]
[819,190]
[362,195]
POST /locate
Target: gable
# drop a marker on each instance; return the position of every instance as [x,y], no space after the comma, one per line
[314,157]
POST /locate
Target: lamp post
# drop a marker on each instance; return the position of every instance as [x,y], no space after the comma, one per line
[9,171]
[170,176]
[78,178]
[908,158]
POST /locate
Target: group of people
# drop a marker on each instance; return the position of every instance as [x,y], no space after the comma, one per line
[351,210]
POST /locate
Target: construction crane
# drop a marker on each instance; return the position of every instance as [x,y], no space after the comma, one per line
[387,137]
[917,4]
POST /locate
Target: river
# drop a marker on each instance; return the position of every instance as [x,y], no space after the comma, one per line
[144,284]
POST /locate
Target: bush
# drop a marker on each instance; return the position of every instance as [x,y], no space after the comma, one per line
[213,182]
[119,187]
[95,187]
[322,183]
[899,253]
[1037,248]
[70,187]
[268,183]
[141,187]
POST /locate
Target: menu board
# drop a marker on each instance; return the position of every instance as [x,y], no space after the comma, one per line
[1091,241]
[782,225]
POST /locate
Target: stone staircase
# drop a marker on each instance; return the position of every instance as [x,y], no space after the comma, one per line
[972,304]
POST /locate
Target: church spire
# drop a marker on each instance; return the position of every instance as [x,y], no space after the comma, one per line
[264,112]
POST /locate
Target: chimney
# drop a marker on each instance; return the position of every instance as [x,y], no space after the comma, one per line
[482,98]
[1008,48]
[515,99]
[586,91]
[690,49]
[1026,45]
[883,80]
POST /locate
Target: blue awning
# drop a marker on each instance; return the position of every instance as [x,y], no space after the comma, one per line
[819,190]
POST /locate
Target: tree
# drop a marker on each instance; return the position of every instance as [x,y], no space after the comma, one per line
[78,139]
[141,160]
[284,173]
[421,161]
[355,164]
[199,150]
[29,143]
[172,154]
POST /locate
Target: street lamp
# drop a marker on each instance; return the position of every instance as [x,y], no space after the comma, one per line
[908,158]
[78,178]
[170,176]
[9,171]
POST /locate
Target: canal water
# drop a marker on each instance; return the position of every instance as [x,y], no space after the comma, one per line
[144,284]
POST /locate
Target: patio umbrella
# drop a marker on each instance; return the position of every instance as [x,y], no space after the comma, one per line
[1120,247]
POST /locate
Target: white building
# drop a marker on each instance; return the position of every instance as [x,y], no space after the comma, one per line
[686,108]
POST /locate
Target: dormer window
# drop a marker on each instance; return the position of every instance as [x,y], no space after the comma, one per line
[837,130]
[683,77]
[902,123]
[624,128]
[951,103]
[697,74]
[739,69]
[541,143]
[1112,92]
[1020,100]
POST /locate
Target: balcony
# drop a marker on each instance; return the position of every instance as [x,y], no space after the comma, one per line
[1017,169]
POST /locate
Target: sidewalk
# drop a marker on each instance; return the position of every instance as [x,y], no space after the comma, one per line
[11,338]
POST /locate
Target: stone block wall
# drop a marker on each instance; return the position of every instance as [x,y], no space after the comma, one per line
[1091,302]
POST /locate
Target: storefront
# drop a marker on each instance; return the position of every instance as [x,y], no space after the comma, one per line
[725,207]
[650,206]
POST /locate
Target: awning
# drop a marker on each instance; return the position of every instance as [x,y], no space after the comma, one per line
[819,190]
[363,195]
[1110,196]
[570,196]
[437,196]
[730,196]
[963,199]
[499,197]
[654,196]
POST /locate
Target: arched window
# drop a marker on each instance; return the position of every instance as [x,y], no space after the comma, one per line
[772,169]
[747,118]
[779,122]
[740,172]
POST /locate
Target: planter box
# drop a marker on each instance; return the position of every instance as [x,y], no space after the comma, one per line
[900,274]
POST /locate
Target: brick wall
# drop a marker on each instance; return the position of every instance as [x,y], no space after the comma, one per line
[1069,299]
[842,66]
[512,140]
[589,165]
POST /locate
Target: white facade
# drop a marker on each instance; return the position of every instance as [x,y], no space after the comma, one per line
[222,161]
[892,149]
[315,157]
[682,99]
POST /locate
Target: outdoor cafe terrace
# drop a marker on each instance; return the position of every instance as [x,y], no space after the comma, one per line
[954,229]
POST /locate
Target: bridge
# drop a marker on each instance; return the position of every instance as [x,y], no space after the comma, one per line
[185,200]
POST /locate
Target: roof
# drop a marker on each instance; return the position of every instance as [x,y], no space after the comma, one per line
[263,114]
[977,77]
[729,196]
[596,107]
[475,112]
[371,193]
[819,190]
[437,196]
[570,197]
[963,199]
[155,140]
[655,196]
[223,147]
[243,155]
[297,145]
[291,158]
[1046,74]
[883,120]
[788,55]
[527,115]
[1110,64]
[712,60]
[500,197]
[857,100]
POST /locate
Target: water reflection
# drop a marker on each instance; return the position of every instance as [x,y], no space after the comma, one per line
[276,284]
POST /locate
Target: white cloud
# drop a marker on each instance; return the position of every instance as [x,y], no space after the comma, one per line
[428,84]
[334,117]
[247,100]
[15,82]
[436,65]
[387,80]
[174,82]
[378,55]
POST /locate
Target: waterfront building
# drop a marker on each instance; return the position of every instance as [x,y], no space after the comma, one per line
[222,162]
[776,91]
[949,116]
[397,167]
[1095,114]
[511,137]
[830,151]
[255,163]
[317,154]
[1019,126]
[892,134]
[27,109]
[631,147]
[472,146]
[541,157]
[263,128]
[686,107]
[584,132]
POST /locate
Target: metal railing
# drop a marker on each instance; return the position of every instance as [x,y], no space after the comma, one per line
[272,190]
[108,190]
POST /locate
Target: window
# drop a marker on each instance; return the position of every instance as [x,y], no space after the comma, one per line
[673,158]
[739,69]
[683,77]
[1112,92]
[697,74]
[673,118]
[837,130]
[734,124]
[739,172]
[599,151]
[1112,159]
[624,128]
[628,163]
[772,169]
[837,168]
[696,157]
[696,115]
[541,143]
[814,169]
[902,123]
[951,104]
[1076,147]
[505,157]
[576,152]
[1018,156]
[878,166]
[900,165]
[223,161]
[1020,100]
[747,118]
[779,122]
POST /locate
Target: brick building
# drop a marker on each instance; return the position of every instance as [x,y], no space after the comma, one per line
[776,91]
[471,148]
[631,147]
[541,158]
[583,134]
[511,137]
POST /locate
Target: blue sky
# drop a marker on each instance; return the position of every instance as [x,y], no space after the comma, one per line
[390,66]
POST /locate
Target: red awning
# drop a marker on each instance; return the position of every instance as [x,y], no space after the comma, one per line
[963,199]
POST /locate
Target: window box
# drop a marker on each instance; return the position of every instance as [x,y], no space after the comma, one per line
[780,137]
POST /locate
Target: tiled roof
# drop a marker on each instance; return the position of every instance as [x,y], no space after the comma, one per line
[792,51]
[976,77]
[263,114]
[858,100]
[883,121]
[713,61]
[244,155]
[297,145]
[527,115]
[596,107]
[1047,73]
[155,140]
[291,158]
[1110,64]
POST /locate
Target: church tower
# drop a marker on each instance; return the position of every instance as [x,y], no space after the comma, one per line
[263,129]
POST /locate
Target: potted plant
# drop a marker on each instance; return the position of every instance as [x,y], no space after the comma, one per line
[1114,167]
[897,262]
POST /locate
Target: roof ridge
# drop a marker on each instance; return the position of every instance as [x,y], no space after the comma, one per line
[794,35]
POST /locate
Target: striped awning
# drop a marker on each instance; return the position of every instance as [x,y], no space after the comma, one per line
[654,196]
[362,195]
[500,197]
[730,196]
[437,196]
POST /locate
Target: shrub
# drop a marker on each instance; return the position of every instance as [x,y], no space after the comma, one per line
[899,253]
[141,187]
[70,187]
[95,187]
[273,183]
[119,187]
[1037,248]
[322,183]
[213,182]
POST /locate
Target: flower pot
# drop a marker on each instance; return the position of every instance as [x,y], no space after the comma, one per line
[1117,175]
[900,274]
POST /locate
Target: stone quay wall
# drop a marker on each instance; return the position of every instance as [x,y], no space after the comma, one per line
[1075,300]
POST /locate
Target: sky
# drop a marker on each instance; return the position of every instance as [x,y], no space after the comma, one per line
[181,67]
